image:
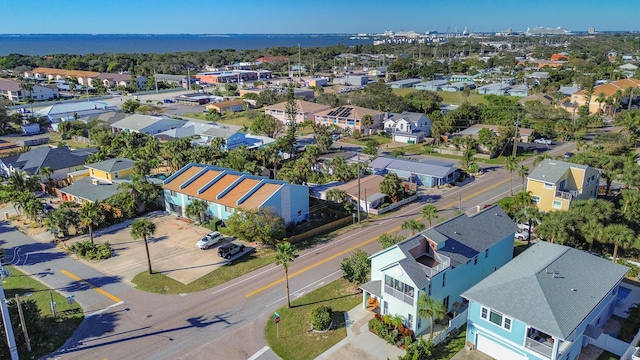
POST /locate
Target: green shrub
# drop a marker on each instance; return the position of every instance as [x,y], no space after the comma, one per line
[321,318]
[91,251]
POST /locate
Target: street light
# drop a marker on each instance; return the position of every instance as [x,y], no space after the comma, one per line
[299,62]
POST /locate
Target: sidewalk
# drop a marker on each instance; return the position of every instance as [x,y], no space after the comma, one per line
[360,343]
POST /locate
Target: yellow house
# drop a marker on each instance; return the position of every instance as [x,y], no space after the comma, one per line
[111,169]
[609,90]
[554,184]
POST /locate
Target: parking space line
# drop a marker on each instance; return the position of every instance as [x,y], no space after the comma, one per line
[76,278]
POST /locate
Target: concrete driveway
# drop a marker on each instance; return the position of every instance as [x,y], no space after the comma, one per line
[172,248]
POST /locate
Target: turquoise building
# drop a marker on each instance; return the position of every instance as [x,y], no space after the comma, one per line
[442,261]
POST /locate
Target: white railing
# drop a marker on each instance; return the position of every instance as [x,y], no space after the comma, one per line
[444,262]
[540,347]
[398,294]
[454,323]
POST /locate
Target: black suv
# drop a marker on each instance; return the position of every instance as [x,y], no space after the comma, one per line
[228,250]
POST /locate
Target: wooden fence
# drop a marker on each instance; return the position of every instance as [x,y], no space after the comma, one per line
[321,229]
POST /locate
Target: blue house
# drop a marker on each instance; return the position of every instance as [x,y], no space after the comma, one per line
[225,190]
[548,303]
[442,261]
[427,173]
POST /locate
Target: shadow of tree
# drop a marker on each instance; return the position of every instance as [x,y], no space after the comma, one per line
[89,283]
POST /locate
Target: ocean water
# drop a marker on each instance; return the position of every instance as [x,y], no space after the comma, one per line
[46,44]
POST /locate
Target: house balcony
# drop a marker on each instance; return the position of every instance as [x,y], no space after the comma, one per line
[542,343]
[433,264]
[566,195]
[408,298]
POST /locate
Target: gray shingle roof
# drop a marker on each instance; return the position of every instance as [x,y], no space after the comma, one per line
[550,171]
[429,167]
[411,117]
[112,165]
[85,189]
[147,124]
[550,287]
[56,158]
[466,236]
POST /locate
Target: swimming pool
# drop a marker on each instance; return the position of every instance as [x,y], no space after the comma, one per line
[623,292]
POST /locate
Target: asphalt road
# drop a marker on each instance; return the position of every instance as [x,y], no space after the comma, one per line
[226,322]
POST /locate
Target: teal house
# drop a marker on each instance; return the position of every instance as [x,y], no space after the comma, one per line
[442,261]
[550,302]
[225,190]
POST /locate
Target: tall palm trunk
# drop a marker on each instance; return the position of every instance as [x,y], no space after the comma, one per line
[146,246]
[91,233]
[431,329]
[615,252]
[286,279]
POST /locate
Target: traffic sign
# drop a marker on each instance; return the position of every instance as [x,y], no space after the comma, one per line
[277,319]
[70,299]
[276,314]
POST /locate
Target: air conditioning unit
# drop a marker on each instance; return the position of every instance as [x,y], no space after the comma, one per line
[95,182]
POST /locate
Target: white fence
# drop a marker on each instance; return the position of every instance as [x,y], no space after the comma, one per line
[393,206]
[631,350]
[610,344]
[454,323]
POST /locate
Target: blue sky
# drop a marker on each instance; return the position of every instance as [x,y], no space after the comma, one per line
[307,16]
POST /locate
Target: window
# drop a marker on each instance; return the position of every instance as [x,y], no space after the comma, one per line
[429,291]
[507,323]
[548,185]
[536,199]
[228,209]
[409,321]
[172,193]
[444,279]
[475,260]
[557,204]
[485,313]
[496,318]
[486,253]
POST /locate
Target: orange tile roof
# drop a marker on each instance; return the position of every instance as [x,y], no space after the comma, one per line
[611,88]
[197,184]
[231,198]
[260,196]
[174,185]
[215,189]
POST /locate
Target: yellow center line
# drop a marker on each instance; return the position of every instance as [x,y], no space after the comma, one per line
[452,204]
[76,278]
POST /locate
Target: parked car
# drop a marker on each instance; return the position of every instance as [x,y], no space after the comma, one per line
[543,141]
[523,235]
[567,155]
[228,250]
[525,227]
[47,208]
[209,240]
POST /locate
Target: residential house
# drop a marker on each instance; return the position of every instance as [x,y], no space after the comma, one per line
[461,78]
[555,184]
[87,78]
[459,86]
[305,110]
[408,127]
[428,173]
[13,91]
[60,159]
[548,303]
[609,90]
[349,116]
[442,261]
[225,190]
[231,105]
[403,84]
[629,70]
[97,181]
[543,98]
[504,89]
[146,124]
[82,111]
[431,85]
[370,195]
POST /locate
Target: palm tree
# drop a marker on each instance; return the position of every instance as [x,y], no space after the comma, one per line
[285,255]
[528,214]
[46,172]
[90,214]
[366,121]
[523,171]
[429,307]
[412,225]
[196,208]
[591,231]
[142,229]
[27,86]
[620,236]
[511,165]
[430,212]
[540,158]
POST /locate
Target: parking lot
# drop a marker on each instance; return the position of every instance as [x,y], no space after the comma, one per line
[172,248]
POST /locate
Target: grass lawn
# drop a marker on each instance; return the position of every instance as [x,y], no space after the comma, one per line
[363,140]
[608,356]
[54,331]
[162,284]
[296,341]
[237,121]
[446,350]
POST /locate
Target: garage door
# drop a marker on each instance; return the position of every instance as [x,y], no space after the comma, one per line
[400,138]
[496,350]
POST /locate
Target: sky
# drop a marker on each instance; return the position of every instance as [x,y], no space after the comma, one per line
[308,16]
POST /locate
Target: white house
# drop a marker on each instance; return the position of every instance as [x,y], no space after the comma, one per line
[408,127]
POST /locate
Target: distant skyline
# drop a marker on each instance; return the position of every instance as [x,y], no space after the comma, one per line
[308,17]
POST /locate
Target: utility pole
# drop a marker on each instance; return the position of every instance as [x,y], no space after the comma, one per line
[299,62]
[459,203]
[515,140]
[358,188]
[155,79]
[6,320]
[24,325]
[188,79]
